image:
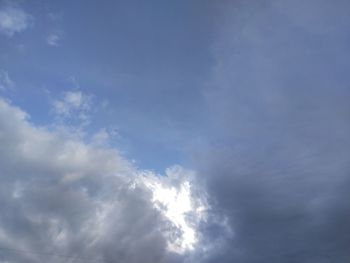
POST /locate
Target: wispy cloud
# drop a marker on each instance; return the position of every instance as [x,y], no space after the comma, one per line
[73,106]
[13,20]
[53,39]
[5,80]
[54,16]
[55,33]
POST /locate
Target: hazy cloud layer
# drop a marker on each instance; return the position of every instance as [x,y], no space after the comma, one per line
[278,160]
[61,197]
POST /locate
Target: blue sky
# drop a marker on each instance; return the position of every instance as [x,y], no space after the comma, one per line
[147,62]
[175,131]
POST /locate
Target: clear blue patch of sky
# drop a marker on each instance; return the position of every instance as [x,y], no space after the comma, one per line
[149,60]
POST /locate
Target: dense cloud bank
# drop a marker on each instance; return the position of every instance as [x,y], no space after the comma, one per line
[62,198]
[278,164]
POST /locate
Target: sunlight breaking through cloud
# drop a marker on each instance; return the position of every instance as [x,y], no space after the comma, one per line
[173,196]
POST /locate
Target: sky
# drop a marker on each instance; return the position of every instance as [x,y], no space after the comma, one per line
[174,131]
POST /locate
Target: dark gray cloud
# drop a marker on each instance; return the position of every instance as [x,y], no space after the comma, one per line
[277,164]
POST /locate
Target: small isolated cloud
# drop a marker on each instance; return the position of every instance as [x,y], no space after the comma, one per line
[53,39]
[53,17]
[5,80]
[13,20]
[73,105]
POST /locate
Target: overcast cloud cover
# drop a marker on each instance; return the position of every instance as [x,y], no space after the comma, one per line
[279,167]
[183,131]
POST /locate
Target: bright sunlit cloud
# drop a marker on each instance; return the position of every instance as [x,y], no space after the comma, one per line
[178,204]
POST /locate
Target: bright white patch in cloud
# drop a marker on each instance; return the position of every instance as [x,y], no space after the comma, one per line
[172,196]
[13,20]
[5,81]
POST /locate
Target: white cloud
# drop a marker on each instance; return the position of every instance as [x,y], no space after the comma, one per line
[53,39]
[13,20]
[59,194]
[56,33]
[5,80]
[173,197]
[73,105]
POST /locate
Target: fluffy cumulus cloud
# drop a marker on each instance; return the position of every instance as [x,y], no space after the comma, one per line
[278,160]
[13,19]
[64,199]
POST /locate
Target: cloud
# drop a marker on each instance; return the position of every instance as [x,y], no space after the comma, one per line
[56,32]
[53,39]
[5,81]
[53,17]
[277,159]
[73,106]
[172,196]
[63,198]
[13,20]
